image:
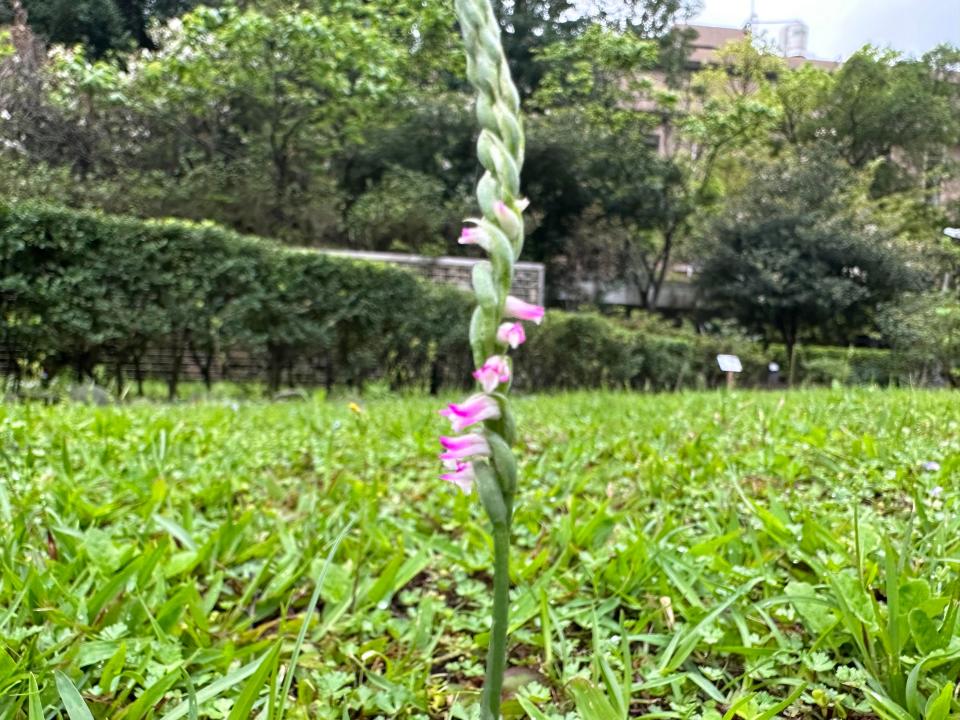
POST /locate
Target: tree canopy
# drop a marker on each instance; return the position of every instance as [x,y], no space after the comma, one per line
[346,123]
[791,252]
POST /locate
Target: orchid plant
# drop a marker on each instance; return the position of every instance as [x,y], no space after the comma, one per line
[482,457]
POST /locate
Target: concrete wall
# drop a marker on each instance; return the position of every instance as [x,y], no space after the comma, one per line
[529,278]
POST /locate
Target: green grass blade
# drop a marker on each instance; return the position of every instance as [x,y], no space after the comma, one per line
[34,705]
[732,710]
[772,712]
[886,708]
[216,688]
[531,710]
[591,703]
[305,623]
[677,653]
[194,706]
[938,707]
[72,700]
[251,691]
[151,696]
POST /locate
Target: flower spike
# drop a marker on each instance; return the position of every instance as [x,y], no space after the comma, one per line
[483,457]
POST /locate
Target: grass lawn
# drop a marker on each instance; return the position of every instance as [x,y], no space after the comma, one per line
[676,556]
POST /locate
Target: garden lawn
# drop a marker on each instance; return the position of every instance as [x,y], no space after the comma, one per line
[676,556]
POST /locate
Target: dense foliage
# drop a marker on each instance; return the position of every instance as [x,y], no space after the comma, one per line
[790,257]
[101,297]
[678,556]
[591,351]
[83,291]
[347,124]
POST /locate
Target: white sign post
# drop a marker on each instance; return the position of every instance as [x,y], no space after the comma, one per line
[731,365]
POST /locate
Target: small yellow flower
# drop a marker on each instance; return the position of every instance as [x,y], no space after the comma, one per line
[356,408]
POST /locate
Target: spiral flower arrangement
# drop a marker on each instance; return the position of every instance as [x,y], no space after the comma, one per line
[482,456]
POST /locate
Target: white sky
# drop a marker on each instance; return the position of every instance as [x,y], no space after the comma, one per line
[840,27]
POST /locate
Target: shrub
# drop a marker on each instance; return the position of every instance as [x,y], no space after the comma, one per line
[85,291]
[924,332]
[96,294]
[591,351]
[576,351]
[403,212]
[588,350]
[818,365]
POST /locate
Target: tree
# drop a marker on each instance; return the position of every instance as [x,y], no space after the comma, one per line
[923,331]
[101,26]
[290,87]
[901,111]
[730,110]
[648,19]
[645,158]
[789,255]
[403,212]
[604,142]
[96,24]
[530,27]
[431,142]
[799,94]
[645,202]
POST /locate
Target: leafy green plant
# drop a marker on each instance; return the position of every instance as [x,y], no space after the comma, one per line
[75,298]
[165,548]
[484,457]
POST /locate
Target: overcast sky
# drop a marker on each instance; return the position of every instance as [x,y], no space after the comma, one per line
[840,27]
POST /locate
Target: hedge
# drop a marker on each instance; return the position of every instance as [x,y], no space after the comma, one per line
[592,351]
[94,294]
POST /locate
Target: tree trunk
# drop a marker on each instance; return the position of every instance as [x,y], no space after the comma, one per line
[659,275]
[791,346]
[204,361]
[329,372]
[436,375]
[274,368]
[173,380]
[138,373]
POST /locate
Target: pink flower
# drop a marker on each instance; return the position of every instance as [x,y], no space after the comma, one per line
[511,334]
[471,411]
[476,235]
[472,236]
[495,371]
[461,474]
[464,446]
[521,310]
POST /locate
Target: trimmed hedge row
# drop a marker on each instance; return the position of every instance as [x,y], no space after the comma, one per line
[89,292]
[93,294]
[587,350]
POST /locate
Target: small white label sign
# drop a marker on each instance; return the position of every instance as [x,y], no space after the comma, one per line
[729,363]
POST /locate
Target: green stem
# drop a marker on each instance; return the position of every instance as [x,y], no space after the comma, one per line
[497,650]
